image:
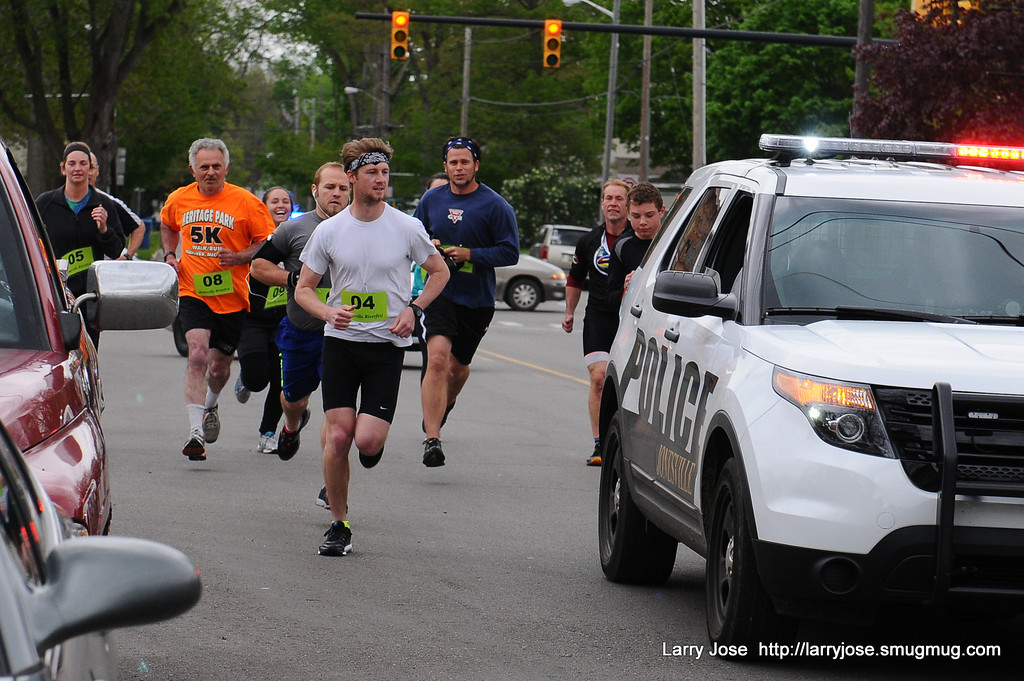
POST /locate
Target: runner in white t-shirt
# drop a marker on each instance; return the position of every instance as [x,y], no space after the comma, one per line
[368,317]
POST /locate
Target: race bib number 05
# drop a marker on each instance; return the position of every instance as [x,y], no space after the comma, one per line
[78,260]
[368,307]
[213,283]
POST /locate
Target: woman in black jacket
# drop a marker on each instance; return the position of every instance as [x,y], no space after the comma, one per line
[82,225]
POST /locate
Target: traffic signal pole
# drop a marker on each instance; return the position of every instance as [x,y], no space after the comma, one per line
[707,33]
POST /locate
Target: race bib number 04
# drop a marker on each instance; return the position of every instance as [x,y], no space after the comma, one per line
[368,307]
[78,260]
[213,283]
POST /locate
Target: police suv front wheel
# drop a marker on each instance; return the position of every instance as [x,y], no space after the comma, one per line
[740,612]
[632,549]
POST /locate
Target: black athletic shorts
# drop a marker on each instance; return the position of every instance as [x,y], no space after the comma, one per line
[257,337]
[465,326]
[372,370]
[225,329]
[599,332]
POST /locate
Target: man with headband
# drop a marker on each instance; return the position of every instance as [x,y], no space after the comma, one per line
[223,226]
[477,228]
[369,319]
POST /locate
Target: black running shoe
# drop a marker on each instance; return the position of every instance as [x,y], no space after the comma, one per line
[288,443]
[338,540]
[433,455]
[321,499]
[595,458]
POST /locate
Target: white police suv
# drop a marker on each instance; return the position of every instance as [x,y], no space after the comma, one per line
[818,385]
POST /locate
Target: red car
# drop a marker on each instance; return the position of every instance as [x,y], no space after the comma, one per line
[50,391]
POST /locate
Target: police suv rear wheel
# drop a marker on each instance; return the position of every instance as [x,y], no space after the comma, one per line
[740,612]
[633,550]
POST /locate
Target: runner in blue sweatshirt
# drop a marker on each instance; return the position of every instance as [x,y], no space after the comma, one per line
[476,228]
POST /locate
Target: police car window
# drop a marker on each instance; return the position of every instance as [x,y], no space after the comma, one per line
[725,255]
[963,261]
[684,257]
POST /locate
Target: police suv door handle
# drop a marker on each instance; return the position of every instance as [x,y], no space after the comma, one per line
[636,311]
[671,335]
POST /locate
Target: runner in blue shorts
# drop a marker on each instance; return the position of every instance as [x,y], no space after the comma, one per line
[300,335]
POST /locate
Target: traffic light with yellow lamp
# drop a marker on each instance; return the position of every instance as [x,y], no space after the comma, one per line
[399,35]
[552,43]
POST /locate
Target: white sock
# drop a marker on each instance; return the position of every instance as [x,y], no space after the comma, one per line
[195,416]
[211,398]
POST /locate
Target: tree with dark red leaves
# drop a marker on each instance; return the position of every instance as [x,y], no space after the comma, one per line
[957,75]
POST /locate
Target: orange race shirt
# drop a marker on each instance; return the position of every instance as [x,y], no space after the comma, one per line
[233,219]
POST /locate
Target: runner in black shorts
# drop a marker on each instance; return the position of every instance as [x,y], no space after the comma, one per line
[593,253]
[476,228]
[368,317]
[225,329]
[465,326]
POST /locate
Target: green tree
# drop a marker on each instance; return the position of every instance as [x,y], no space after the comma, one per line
[66,62]
[756,87]
[568,195]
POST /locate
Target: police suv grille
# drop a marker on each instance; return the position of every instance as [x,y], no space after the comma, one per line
[989,439]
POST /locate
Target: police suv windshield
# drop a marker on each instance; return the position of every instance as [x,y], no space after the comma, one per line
[941,260]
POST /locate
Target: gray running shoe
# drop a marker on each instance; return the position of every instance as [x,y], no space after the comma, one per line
[211,424]
[242,393]
[266,444]
[338,540]
[195,446]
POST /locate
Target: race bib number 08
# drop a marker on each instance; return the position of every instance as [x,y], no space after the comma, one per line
[213,283]
[368,307]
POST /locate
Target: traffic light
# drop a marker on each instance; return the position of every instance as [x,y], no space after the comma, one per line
[552,43]
[399,35]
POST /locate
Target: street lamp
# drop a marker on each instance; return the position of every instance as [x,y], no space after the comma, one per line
[613,76]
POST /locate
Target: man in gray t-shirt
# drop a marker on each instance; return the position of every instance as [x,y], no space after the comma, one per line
[301,335]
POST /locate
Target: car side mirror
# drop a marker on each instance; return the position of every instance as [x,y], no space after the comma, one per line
[692,294]
[101,583]
[129,295]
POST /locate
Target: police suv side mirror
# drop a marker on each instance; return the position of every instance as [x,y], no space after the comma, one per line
[692,294]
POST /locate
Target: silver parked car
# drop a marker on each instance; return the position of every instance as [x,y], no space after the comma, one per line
[557,244]
[529,282]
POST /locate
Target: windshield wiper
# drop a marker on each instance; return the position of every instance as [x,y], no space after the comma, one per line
[876,313]
[997,319]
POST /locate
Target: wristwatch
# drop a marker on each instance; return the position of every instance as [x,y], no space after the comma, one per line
[416,310]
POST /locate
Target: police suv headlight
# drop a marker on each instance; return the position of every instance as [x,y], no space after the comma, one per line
[842,414]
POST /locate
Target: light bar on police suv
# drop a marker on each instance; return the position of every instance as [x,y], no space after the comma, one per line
[803,145]
[800,145]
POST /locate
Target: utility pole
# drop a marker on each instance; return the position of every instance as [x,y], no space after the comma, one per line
[865,23]
[645,97]
[699,89]
[466,60]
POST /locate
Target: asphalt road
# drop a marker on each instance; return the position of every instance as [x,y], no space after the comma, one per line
[486,568]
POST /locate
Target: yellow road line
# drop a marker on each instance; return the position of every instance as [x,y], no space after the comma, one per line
[533,366]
